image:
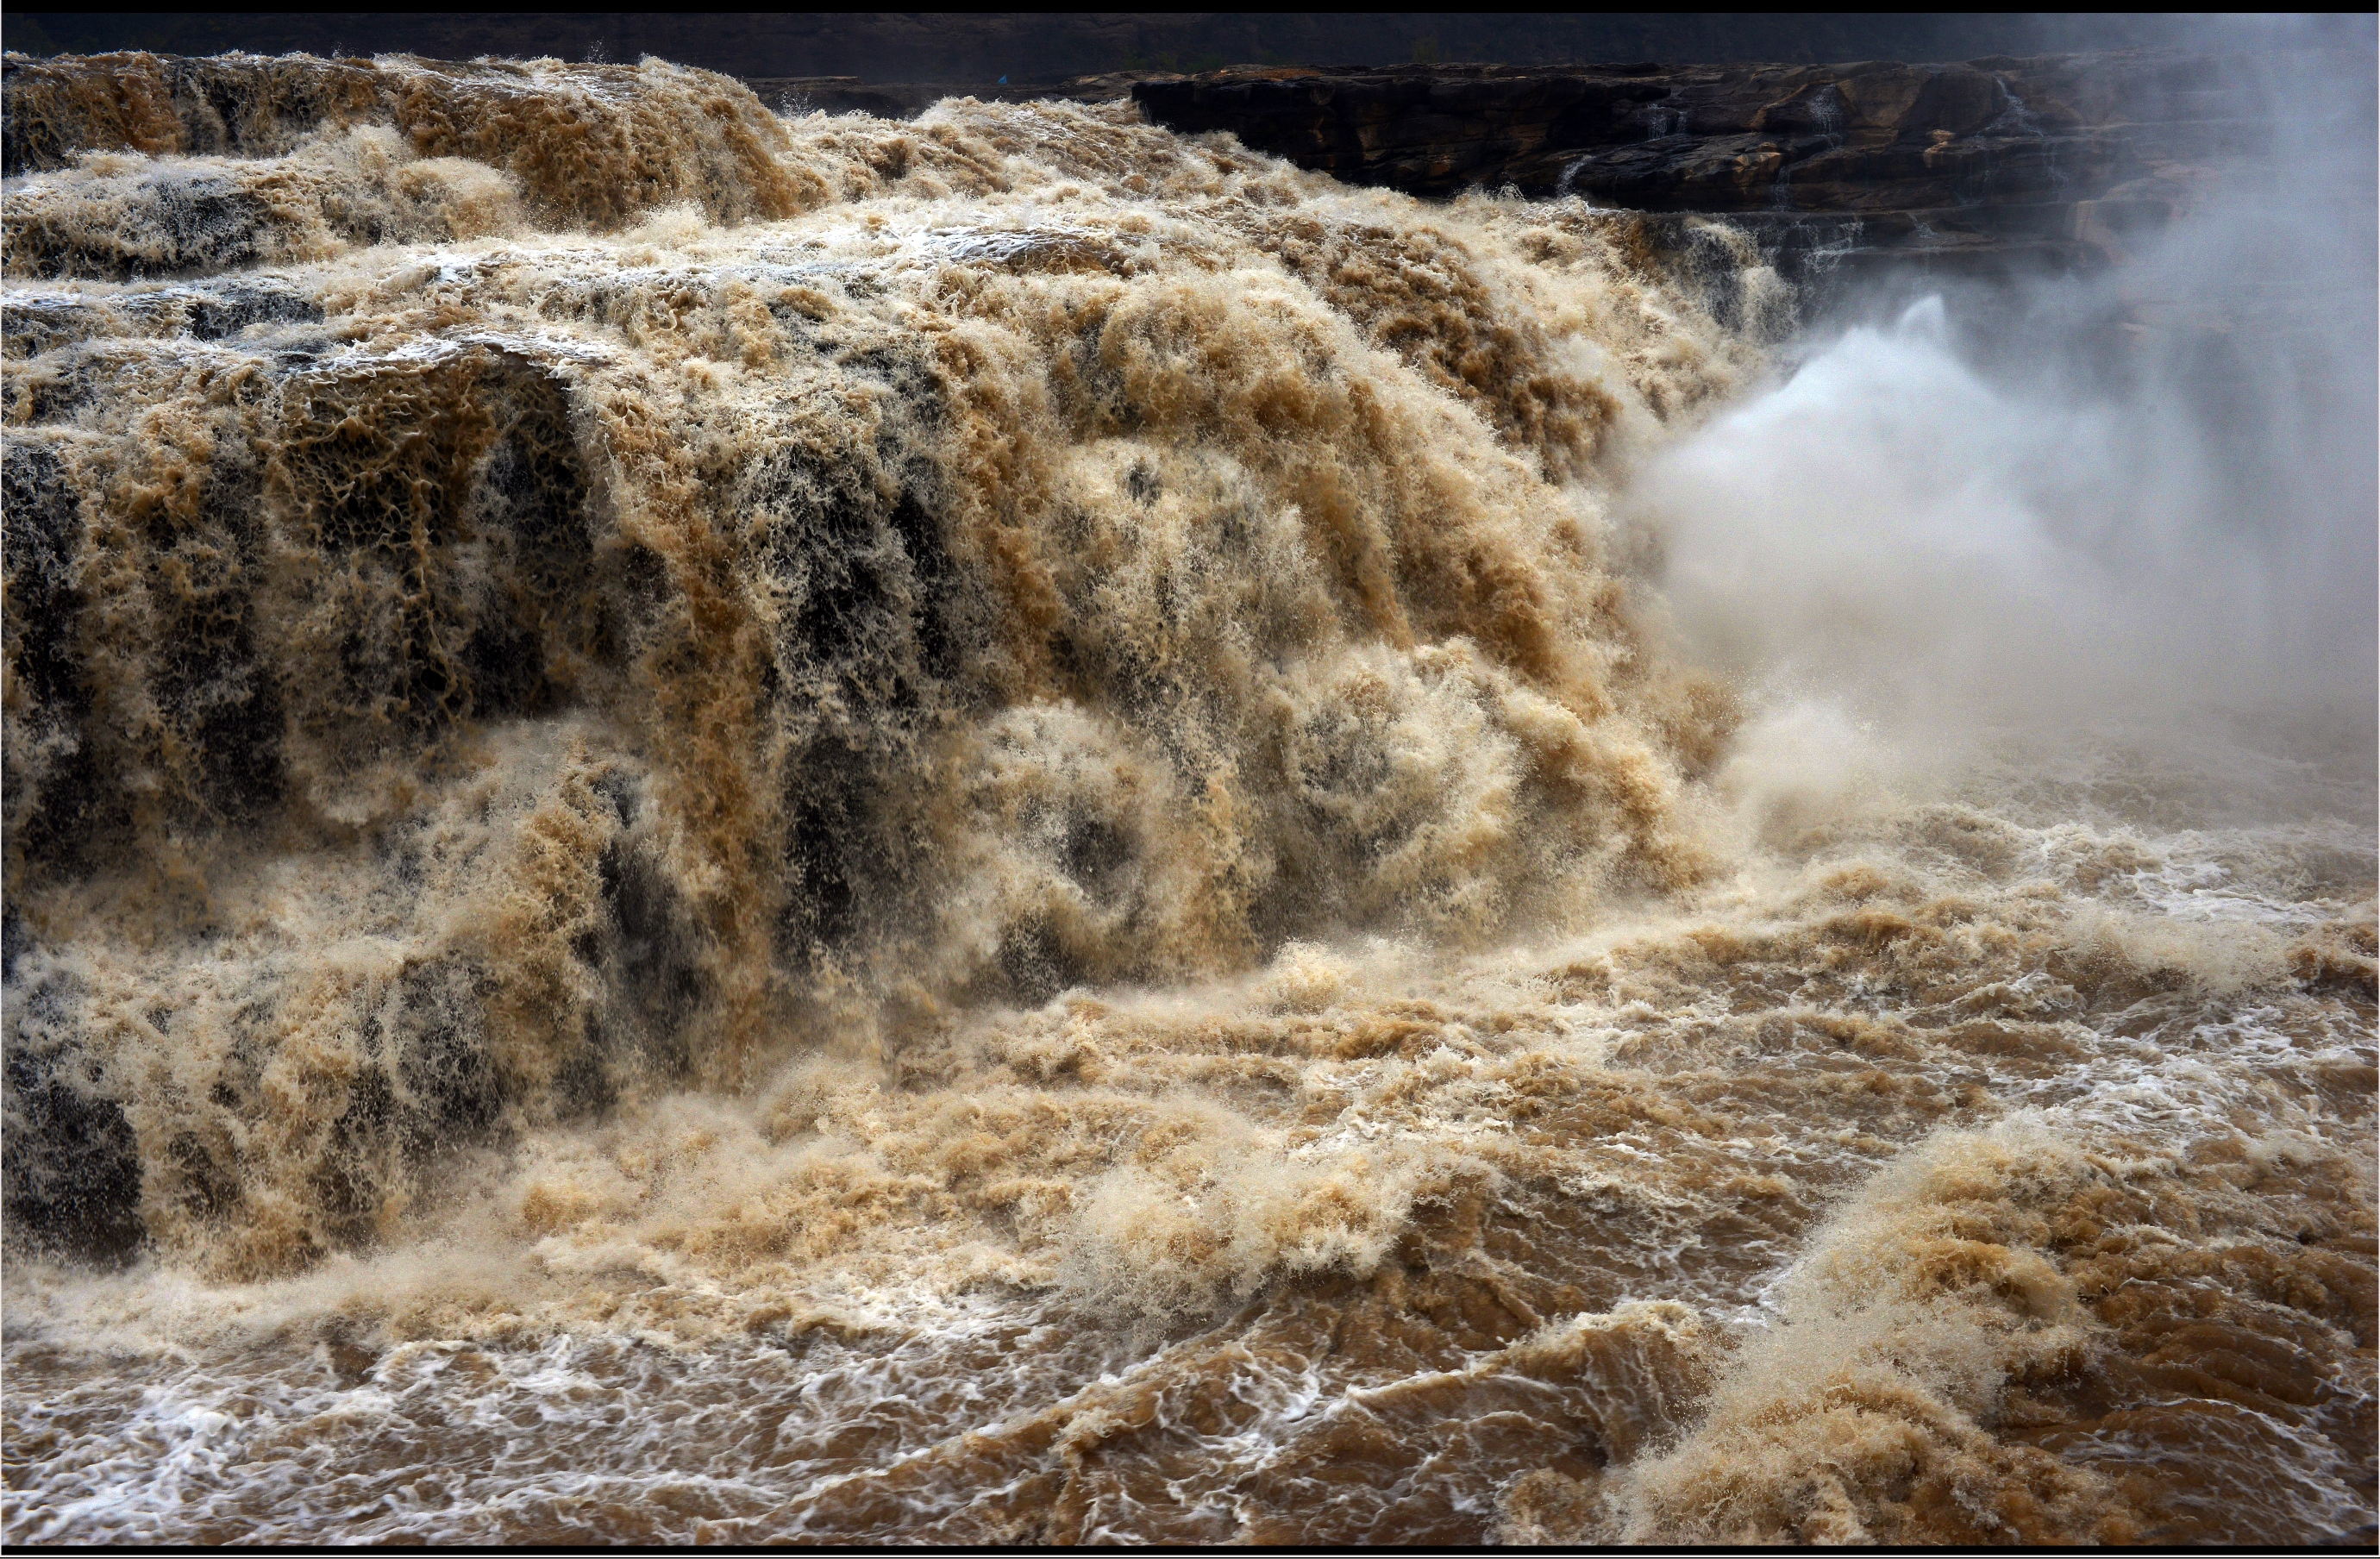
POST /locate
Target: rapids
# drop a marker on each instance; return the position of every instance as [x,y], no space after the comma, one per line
[748,827]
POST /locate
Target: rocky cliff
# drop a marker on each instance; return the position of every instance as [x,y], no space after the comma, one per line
[1990,166]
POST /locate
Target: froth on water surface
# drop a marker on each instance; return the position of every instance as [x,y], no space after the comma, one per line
[1003,830]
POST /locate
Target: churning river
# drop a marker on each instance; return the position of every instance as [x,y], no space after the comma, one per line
[735,826]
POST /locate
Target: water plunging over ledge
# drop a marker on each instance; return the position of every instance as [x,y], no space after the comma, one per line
[1014,827]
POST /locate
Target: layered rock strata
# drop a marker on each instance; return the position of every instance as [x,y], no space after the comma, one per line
[1993,166]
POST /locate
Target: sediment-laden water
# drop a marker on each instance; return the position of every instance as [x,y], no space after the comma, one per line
[1009,829]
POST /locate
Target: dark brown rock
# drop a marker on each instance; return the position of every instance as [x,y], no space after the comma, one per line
[1991,165]
[1874,136]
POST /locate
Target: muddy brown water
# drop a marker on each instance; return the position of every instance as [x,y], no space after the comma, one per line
[735,828]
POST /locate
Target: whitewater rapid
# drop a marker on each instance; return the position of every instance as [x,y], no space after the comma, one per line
[1012,829]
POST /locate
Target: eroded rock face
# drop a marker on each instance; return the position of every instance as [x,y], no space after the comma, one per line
[1993,165]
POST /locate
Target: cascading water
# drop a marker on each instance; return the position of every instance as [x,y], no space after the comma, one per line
[744,827]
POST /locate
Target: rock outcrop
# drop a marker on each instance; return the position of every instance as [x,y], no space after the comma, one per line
[1990,166]
[1988,169]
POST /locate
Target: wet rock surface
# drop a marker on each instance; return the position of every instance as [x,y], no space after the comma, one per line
[1990,166]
